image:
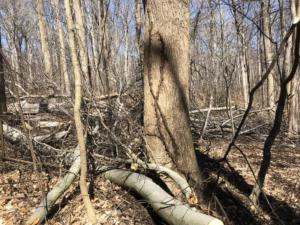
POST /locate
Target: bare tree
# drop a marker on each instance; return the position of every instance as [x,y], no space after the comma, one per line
[44,38]
[63,62]
[267,37]
[77,117]
[3,106]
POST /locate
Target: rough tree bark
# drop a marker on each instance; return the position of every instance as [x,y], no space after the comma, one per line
[44,37]
[78,123]
[166,86]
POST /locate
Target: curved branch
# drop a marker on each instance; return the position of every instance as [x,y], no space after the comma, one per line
[171,210]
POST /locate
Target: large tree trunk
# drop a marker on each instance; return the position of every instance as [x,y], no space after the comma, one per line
[78,123]
[166,86]
[266,27]
[63,63]
[44,37]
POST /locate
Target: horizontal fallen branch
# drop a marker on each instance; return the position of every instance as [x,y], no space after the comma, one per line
[242,114]
[212,109]
[180,181]
[171,210]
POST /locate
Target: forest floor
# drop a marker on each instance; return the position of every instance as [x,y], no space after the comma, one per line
[20,194]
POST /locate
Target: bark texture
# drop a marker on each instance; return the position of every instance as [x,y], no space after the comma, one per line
[166,86]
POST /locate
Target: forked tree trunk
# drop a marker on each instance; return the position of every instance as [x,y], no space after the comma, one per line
[44,37]
[78,123]
[166,86]
[63,63]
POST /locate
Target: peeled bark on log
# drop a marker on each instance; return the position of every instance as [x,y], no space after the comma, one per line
[171,210]
[47,203]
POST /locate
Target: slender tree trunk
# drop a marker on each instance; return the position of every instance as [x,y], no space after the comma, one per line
[78,123]
[2,82]
[63,63]
[166,86]
[3,107]
[266,27]
[138,30]
[266,161]
[240,30]
[293,108]
[81,38]
[294,88]
[44,38]
[105,46]
[126,64]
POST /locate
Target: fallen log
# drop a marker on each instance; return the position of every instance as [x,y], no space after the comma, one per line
[15,135]
[242,114]
[59,189]
[171,210]
[211,109]
[180,181]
